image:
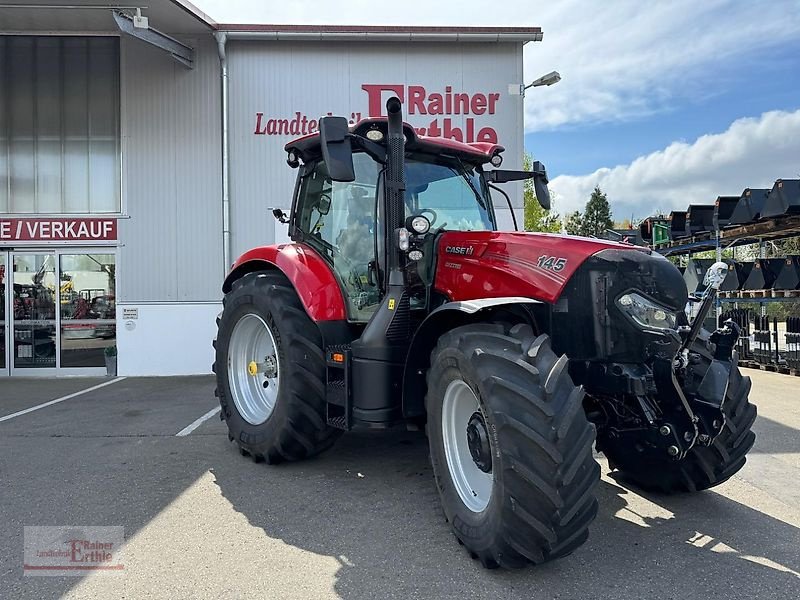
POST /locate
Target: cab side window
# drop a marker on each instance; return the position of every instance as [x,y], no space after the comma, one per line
[338,219]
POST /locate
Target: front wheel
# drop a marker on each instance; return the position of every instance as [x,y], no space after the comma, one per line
[510,445]
[270,371]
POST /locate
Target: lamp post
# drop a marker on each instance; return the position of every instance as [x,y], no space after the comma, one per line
[549,79]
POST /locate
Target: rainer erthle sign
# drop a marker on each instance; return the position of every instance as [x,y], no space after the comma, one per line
[444,113]
[57,230]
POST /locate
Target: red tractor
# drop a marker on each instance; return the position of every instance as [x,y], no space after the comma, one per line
[399,302]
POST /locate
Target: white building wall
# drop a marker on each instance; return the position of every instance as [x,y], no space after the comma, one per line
[281,79]
[170,262]
[170,259]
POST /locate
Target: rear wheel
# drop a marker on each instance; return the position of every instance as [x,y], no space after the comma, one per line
[271,371]
[703,467]
[510,445]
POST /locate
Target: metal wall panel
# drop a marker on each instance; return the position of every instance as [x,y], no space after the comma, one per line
[171,246]
[279,79]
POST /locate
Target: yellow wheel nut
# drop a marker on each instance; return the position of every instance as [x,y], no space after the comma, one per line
[252,368]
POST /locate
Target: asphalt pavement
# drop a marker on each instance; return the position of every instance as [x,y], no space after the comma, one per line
[361,521]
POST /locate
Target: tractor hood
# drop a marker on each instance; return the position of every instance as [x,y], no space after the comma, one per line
[492,264]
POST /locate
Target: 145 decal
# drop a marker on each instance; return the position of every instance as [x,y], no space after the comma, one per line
[551,263]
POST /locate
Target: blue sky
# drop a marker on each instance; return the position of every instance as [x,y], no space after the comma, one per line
[660,103]
[768,80]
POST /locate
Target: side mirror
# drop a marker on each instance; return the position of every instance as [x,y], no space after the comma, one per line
[324,204]
[538,174]
[715,275]
[540,185]
[336,149]
[281,216]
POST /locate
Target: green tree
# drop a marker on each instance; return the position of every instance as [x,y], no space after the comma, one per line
[535,217]
[573,223]
[597,214]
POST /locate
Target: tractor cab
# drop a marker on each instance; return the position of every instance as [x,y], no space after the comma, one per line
[339,208]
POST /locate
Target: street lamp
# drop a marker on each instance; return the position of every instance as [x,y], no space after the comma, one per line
[549,79]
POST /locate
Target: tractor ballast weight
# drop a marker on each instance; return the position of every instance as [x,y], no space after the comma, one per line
[398,302]
[783,199]
[749,208]
[724,208]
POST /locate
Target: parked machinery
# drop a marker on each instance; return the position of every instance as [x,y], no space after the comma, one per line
[515,350]
[793,343]
[699,218]
[655,230]
[789,276]
[763,274]
[735,281]
[724,208]
[677,225]
[696,270]
[749,208]
[784,199]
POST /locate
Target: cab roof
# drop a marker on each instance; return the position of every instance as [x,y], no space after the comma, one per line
[308,147]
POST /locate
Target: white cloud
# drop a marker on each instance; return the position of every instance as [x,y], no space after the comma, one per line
[619,60]
[752,152]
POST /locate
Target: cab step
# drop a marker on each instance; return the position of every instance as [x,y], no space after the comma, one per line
[338,392]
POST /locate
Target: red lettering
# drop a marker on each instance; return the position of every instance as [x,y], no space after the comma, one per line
[283,126]
[435,104]
[294,127]
[312,126]
[272,127]
[478,104]
[470,130]
[461,104]
[375,104]
[259,130]
[453,133]
[58,229]
[434,130]
[493,98]
[487,134]
[416,100]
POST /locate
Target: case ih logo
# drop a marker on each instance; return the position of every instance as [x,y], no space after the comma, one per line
[419,104]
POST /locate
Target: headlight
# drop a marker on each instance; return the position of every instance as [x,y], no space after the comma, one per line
[646,313]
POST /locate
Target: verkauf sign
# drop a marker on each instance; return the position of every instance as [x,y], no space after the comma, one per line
[57,230]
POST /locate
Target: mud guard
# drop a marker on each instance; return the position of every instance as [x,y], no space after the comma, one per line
[440,320]
[310,275]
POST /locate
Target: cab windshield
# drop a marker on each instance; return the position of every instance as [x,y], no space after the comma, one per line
[450,193]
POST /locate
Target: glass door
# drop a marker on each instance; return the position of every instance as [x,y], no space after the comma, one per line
[33,294]
[57,311]
[4,314]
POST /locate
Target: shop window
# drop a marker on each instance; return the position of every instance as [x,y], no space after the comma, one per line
[88,308]
[59,125]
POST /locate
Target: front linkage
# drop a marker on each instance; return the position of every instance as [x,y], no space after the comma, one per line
[679,390]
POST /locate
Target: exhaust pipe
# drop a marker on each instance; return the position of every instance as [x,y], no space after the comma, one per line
[395,180]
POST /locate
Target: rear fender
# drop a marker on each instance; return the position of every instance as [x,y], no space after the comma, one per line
[441,320]
[311,277]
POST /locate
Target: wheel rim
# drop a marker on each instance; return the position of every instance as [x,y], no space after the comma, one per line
[253,369]
[461,414]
